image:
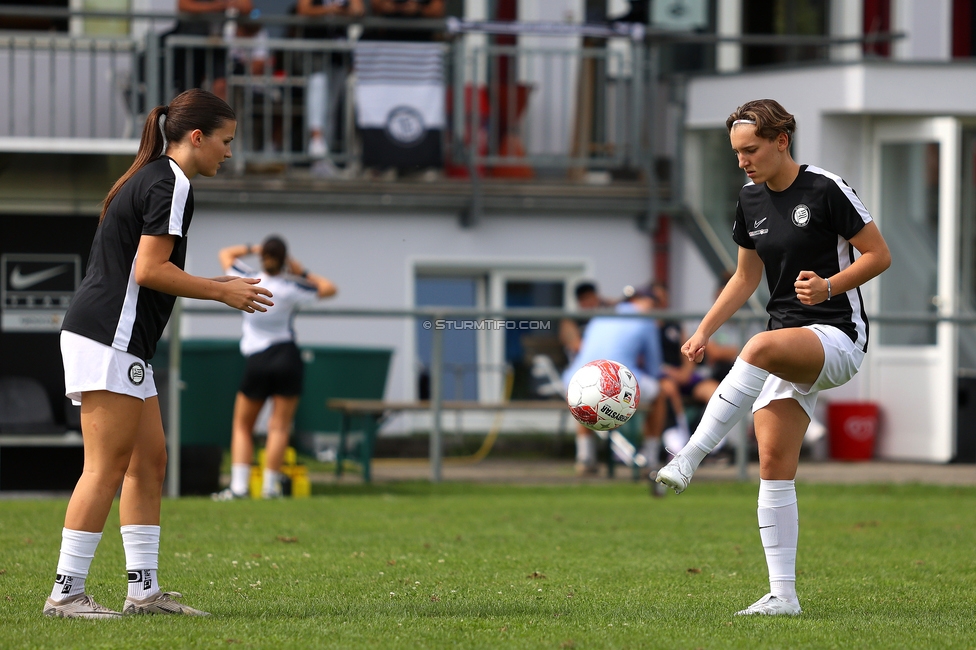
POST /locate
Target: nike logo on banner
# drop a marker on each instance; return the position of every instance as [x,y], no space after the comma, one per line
[769,526]
[727,401]
[756,225]
[20,281]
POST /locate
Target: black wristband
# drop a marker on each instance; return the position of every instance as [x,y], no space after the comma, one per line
[250,247]
[304,273]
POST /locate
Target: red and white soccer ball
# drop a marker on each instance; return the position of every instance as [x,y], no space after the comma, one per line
[603,395]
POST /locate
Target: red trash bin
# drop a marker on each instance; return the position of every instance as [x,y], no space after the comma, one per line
[852,428]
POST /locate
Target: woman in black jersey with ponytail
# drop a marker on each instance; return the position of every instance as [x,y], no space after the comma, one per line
[801,225]
[135,271]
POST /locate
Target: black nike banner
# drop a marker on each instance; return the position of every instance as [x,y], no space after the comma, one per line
[36,289]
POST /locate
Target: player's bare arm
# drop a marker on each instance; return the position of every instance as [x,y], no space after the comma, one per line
[155,271]
[228,254]
[875,257]
[325,287]
[741,286]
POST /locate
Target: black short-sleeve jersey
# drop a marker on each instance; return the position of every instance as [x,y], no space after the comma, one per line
[806,227]
[109,307]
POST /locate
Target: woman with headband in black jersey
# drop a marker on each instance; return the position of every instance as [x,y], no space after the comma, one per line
[801,225]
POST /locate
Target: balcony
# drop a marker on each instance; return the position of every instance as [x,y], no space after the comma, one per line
[556,120]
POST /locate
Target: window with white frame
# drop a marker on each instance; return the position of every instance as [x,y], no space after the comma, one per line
[491,359]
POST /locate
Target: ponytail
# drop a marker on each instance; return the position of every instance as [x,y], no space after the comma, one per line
[190,110]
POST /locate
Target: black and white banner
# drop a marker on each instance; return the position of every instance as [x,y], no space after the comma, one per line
[400,103]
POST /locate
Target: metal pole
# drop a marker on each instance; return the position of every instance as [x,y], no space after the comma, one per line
[474,142]
[173,410]
[436,396]
[649,224]
[151,72]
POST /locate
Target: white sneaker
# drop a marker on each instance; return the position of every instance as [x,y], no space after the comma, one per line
[676,474]
[325,168]
[770,605]
[228,494]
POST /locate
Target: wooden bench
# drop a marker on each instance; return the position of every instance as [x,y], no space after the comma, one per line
[373,411]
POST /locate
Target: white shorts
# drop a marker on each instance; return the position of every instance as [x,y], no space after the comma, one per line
[90,365]
[842,360]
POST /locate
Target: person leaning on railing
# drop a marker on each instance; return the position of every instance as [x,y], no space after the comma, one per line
[327,80]
[217,82]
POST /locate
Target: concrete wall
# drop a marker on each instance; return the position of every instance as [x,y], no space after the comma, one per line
[815,95]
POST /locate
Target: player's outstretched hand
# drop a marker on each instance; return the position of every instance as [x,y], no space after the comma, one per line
[246,295]
[694,348]
[810,288]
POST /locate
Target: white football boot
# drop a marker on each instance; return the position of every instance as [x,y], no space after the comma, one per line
[80,606]
[161,602]
[770,605]
[676,474]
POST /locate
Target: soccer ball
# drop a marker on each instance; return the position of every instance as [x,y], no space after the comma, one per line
[603,395]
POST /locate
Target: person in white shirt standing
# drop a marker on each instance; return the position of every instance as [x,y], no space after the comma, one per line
[274,365]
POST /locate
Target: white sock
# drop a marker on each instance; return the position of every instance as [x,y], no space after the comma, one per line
[586,449]
[77,551]
[141,545]
[240,478]
[779,529]
[732,399]
[271,482]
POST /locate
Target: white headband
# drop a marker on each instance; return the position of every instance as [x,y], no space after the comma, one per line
[753,122]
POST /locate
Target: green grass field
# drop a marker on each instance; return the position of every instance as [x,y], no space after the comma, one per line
[474,566]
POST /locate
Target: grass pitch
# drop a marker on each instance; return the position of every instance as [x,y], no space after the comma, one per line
[473,566]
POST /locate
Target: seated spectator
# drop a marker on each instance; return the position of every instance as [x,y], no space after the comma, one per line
[217,80]
[636,343]
[571,329]
[326,82]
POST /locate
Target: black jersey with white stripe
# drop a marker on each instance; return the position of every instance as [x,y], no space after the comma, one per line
[806,227]
[109,307]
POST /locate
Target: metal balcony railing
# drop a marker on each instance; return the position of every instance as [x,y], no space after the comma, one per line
[509,109]
[567,97]
[60,86]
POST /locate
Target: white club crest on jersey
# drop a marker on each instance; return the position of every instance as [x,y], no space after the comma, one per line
[801,215]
